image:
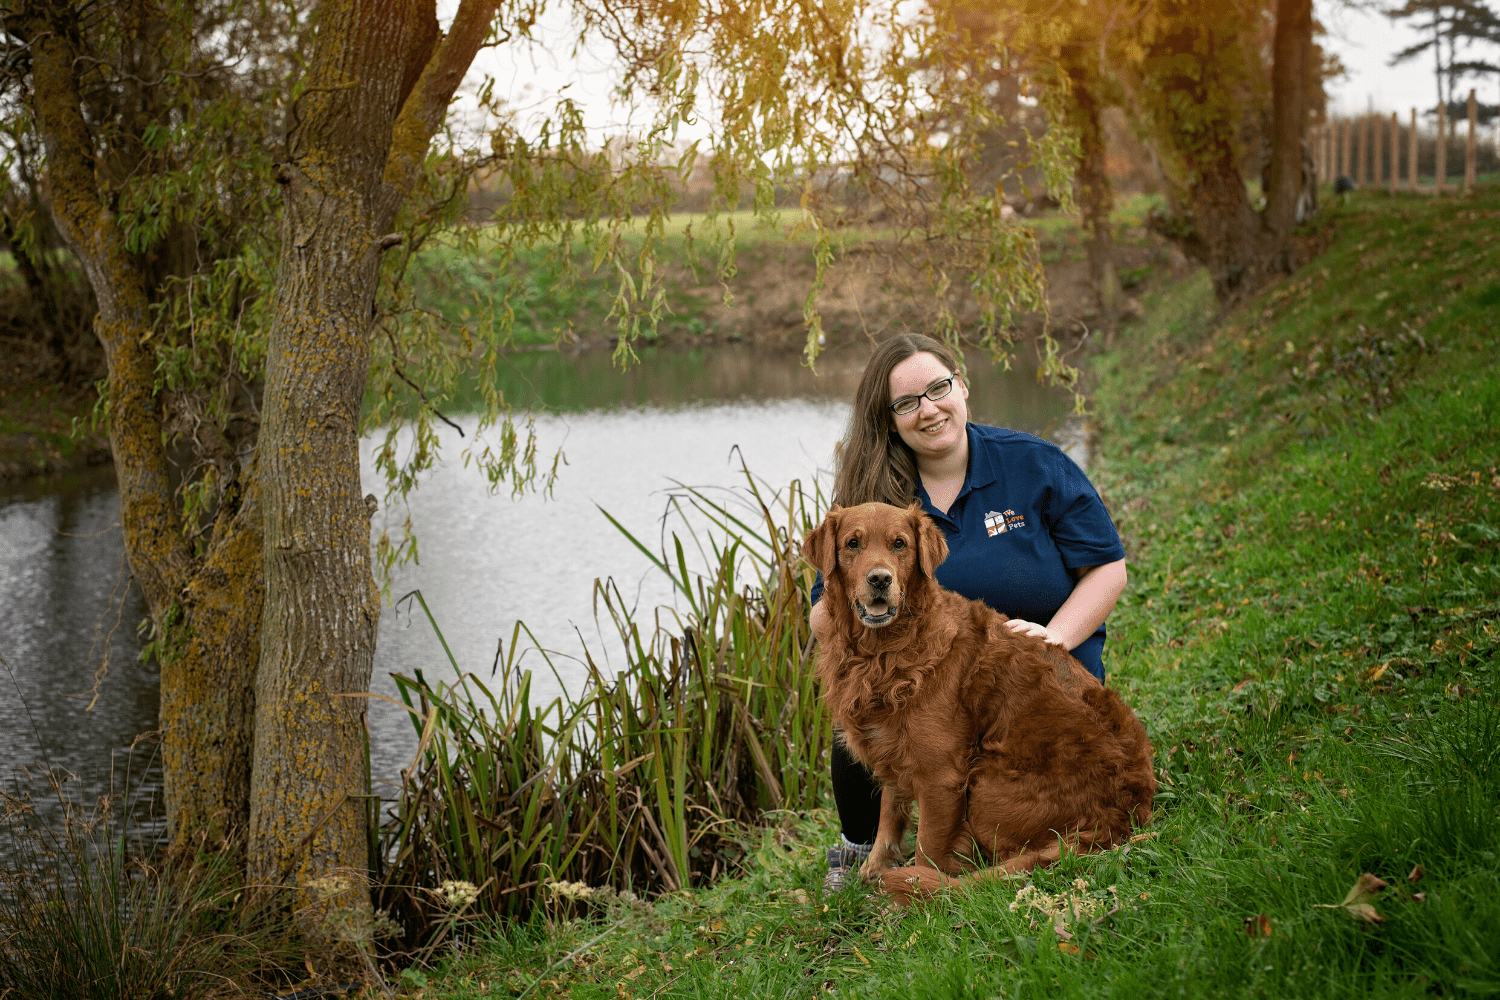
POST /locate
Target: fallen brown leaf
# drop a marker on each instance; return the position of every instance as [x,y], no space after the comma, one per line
[1072,949]
[1258,926]
[1357,902]
[1416,874]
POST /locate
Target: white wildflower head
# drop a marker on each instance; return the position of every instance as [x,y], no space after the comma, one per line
[459,894]
[571,890]
[1072,905]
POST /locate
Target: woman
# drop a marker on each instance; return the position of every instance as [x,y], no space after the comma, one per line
[1027,533]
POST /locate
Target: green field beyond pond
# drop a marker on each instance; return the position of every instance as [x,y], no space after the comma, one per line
[1309,493]
[545,297]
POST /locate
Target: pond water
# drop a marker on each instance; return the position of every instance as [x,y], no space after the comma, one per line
[76,696]
[487,560]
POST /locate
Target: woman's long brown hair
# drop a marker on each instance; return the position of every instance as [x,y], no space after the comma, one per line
[872,463]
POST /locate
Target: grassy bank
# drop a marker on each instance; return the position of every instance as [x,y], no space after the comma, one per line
[1309,493]
[565,298]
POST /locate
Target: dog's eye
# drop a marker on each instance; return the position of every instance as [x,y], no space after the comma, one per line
[852,543]
[899,544]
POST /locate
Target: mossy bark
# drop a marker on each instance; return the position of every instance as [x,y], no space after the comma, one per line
[378,88]
[208,692]
[206,678]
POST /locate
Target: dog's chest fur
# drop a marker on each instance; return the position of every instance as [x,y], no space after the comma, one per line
[899,720]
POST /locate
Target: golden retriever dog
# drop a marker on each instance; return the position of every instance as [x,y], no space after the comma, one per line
[1011,750]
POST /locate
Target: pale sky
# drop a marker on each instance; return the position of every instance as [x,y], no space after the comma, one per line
[1365,41]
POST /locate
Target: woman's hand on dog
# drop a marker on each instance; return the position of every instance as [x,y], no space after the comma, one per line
[1038,631]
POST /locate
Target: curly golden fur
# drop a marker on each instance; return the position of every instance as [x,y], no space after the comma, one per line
[1008,746]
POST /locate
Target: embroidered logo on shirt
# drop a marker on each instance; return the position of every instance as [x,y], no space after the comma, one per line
[997,523]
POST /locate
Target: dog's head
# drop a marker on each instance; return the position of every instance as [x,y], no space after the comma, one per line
[874,557]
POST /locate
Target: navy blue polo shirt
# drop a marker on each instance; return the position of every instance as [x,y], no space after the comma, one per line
[1025,516]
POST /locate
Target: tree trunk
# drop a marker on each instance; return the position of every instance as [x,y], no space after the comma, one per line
[1231,239]
[208,690]
[1095,199]
[1289,75]
[1197,78]
[378,89]
[202,608]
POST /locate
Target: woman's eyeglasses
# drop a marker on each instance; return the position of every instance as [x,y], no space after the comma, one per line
[935,392]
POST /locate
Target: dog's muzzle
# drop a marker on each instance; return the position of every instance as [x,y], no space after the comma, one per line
[873,620]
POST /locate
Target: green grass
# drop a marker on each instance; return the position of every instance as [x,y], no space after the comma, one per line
[1309,493]
[36,425]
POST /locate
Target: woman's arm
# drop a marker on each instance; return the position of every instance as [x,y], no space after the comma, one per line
[818,619]
[1092,599]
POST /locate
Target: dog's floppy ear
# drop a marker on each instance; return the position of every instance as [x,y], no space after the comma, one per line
[821,546]
[932,544]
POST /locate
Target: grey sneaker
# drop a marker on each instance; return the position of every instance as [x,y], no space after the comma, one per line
[844,862]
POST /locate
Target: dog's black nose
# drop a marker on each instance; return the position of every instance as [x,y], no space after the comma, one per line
[878,579]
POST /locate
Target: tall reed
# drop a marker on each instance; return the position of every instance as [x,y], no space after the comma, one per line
[91,907]
[648,780]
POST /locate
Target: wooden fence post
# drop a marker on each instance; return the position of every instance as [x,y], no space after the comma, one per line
[1357,175]
[1411,154]
[1395,151]
[1442,150]
[1469,150]
[1377,156]
[1344,162]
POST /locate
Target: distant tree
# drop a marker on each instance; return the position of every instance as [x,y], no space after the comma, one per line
[1451,24]
[58,305]
[1209,85]
[1061,51]
[1199,84]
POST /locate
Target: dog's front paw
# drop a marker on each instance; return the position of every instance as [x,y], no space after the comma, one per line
[881,860]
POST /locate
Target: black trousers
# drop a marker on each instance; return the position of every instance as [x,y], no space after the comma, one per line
[857,795]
